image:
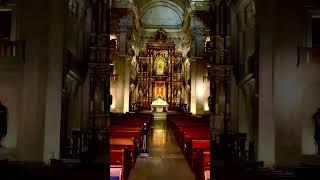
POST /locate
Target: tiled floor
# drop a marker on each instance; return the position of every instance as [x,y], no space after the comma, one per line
[165,161]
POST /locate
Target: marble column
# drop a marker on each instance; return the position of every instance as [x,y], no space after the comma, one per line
[197,36]
[266,134]
[193,77]
[31,131]
[124,31]
[54,81]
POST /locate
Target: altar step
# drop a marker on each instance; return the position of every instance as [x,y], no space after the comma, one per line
[162,116]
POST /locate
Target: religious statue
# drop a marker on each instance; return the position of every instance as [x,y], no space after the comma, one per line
[160,65]
[160,95]
[3,122]
[160,62]
[316,118]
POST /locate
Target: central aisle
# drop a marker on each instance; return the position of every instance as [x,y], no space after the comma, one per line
[165,160]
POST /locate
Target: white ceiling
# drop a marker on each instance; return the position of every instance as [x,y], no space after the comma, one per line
[161,16]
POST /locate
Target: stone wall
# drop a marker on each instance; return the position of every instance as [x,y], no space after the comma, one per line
[287,92]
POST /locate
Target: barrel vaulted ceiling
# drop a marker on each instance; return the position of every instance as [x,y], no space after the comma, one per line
[160,13]
[157,14]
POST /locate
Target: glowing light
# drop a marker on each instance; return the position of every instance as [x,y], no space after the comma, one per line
[159,137]
[113,106]
[126,99]
[200,90]
[193,109]
[206,106]
[207,39]
[113,36]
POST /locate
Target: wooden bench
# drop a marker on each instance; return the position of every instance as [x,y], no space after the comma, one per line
[126,132]
[193,137]
[120,163]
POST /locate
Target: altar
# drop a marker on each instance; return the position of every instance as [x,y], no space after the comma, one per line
[159,75]
[159,105]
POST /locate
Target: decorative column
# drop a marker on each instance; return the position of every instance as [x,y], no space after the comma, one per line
[124,28]
[123,66]
[220,75]
[197,34]
[99,72]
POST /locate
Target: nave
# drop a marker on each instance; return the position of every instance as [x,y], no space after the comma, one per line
[165,161]
[252,66]
[177,145]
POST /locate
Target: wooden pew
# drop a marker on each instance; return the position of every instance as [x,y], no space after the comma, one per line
[193,146]
[193,136]
[126,133]
[120,163]
[201,164]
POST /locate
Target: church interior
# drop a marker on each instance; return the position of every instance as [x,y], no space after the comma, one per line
[160,89]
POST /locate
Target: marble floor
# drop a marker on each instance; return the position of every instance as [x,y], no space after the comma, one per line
[165,160]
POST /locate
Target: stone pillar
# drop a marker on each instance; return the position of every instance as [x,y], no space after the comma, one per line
[266,124]
[30,143]
[54,81]
[197,34]
[289,82]
[193,74]
[120,70]
[121,100]
[196,51]
[126,85]
[201,91]
[124,27]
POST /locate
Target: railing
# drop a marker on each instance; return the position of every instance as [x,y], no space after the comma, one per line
[12,48]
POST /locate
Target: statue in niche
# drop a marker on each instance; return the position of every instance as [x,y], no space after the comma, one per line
[160,66]
[160,63]
[3,122]
[316,118]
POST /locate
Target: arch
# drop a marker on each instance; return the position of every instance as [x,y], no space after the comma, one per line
[171,4]
[161,13]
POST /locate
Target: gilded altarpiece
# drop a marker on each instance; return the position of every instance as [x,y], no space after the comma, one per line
[160,75]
